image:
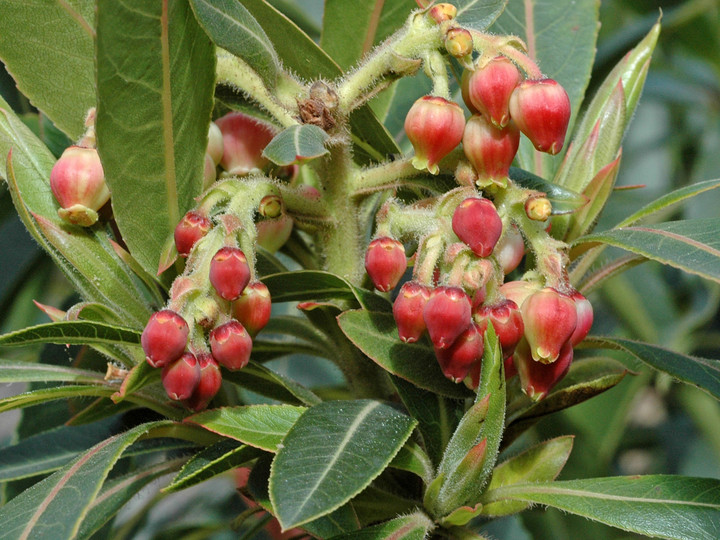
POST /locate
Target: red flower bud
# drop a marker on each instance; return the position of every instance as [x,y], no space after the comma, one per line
[476,222]
[518,291]
[447,315]
[465,91]
[208,385]
[78,182]
[164,338]
[550,319]
[229,272]
[244,139]
[192,227]
[434,126]
[466,351]
[491,150]
[541,110]
[584,318]
[536,378]
[231,345]
[510,249]
[507,321]
[253,307]
[385,263]
[408,311]
[181,377]
[490,88]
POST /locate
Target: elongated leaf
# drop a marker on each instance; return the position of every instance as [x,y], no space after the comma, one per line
[413,459]
[11,371]
[670,199]
[413,527]
[261,426]
[117,492]
[701,372]
[331,454]
[296,144]
[35,397]
[541,463]
[55,507]
[213,460]
[231,27]
[139,376]
[479,14]
[266,382]
[155,79]
[59,36]
[692,246]
[72,332]
[351,28]
[560,37]
[563,200]
[661,505]
[375,334]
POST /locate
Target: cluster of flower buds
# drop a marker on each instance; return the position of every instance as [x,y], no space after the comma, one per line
[176,341]
[536,327]
[502,105]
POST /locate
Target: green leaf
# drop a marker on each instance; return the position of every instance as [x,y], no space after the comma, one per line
[479,14]
[57,36]
[351,28]
[210,462]
[416,526]
[260,426]
[560,37]
[332,453]
[701,372]
[296,144]
[692,245]
[541,463]
[437,415]
[586,378]
[472,451]
[563,200]
[231,27]
[375,334]
[665,506]
[12,371]
[72,332]
[155,80]
[36,397]
[670,199]
[55,507]
[412,458]
[139,376]
[117,492]
[266,382]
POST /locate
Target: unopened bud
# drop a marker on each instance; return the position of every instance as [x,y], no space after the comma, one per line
[538,208]
[442,12]
[458,42]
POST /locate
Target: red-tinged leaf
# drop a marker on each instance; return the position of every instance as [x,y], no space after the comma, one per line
[54,313]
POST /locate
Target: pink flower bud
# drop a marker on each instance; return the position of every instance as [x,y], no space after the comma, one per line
[253,308]
[550,319]
[476,222]
[208,385]
[385,263]
[541,110]
[192,227]
[181,377]
[229,272]
[491,150]
[536,378]
[215,143]
[447,315]
[584,318]
[466,351]
[231,345]
[510,249]
[507,321]
[408,311]
[273,233]
[490,88]
[518,291]
[78,182]
[435,127]
[164,338]
[244,139]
